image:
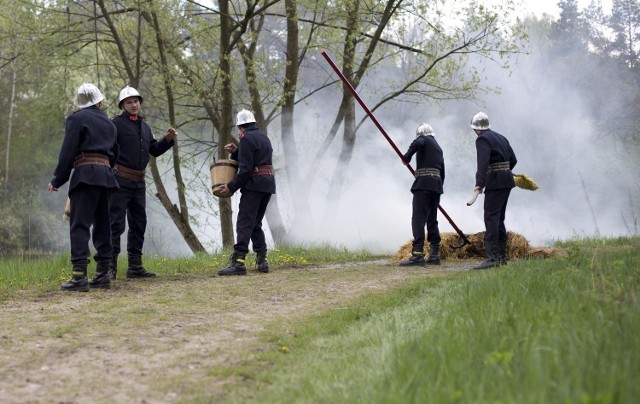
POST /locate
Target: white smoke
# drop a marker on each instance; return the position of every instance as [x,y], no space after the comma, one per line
[584,186]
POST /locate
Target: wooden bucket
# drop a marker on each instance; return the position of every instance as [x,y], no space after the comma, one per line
[222,172]
[67,211]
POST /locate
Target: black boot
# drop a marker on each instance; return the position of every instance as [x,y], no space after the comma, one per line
[417,256]
[502,252]
[78,281]
[113,267]
[261,262]
[135,268]
[102,278]
[236,267]
[434,254]
[490,260]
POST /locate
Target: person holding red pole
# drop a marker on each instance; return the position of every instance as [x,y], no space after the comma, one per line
[427,188]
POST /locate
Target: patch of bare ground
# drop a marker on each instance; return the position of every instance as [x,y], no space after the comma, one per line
[172,338]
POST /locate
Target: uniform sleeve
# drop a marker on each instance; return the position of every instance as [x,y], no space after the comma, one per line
[413,148]
[115,150]
[513,160]
[483,151]
[68,152]
[246,154]
[159,147]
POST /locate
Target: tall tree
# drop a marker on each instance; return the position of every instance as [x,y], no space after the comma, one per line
[130,56]
[625,24]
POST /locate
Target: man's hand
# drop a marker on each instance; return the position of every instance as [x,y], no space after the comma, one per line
[230,148]
[171,134]
[51,188]
[476,191]
[223,191]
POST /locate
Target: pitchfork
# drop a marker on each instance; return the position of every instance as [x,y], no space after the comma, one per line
[463,238]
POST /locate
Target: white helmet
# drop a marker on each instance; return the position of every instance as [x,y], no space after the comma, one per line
[244,117]
[424,130]
[126,93]
[88,95]
[480,121]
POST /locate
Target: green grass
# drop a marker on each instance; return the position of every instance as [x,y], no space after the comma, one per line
[564,330]
[561,330]
[46,274]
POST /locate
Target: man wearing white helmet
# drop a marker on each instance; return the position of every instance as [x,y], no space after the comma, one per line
[89,149]
[137,143]
[256,182]
[495,159]
[426,190]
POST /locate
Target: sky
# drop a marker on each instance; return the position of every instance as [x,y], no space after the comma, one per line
[539,7]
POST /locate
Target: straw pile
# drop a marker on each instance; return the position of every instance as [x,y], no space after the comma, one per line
[517,247]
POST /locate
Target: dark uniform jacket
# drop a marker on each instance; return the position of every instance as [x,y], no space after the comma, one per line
[491,148]
[429,156]
[88,130]
[136,144]
[254,150]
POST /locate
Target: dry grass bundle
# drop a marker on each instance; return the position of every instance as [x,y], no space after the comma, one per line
[525,182]
[517,247]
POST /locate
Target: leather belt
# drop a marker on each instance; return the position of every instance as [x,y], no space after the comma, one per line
[91,159]
[501,166]
[266,169]
[128,173]
[427,172]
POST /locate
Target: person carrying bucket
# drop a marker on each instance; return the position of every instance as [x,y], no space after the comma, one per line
[426,189]
[255,180]
[89,149]
[136,143]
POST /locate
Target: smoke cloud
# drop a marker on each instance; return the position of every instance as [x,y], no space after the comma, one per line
[587,183]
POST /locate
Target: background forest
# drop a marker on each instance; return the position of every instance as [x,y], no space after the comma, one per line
[564,91]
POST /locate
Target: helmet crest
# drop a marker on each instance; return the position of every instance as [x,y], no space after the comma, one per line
[424,130]
[126,93]
[244,117]
[88,95]
[480,121]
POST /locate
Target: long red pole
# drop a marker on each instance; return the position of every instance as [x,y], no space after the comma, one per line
[384,133]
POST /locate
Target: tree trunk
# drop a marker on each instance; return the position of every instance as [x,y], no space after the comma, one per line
[179,218]
[226,119]
[292,165]
[12,102]
[289,94]
[183,221]
[347,106]
[347,98]
[272,215]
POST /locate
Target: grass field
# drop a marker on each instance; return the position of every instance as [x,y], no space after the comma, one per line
[332,326]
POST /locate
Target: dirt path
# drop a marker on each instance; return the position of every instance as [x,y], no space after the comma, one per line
[173,338]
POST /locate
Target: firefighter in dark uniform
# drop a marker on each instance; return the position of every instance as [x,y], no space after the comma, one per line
[426,189]
[495,159]
[256,182]
[136,144]
[89,149]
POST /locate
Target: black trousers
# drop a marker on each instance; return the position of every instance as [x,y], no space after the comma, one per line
[253,206]
[89,207]
[495,207]
[425,211]
[128,204]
